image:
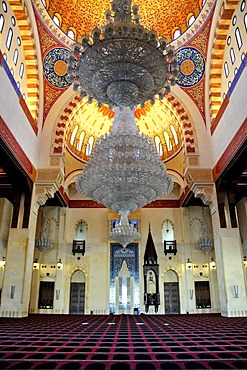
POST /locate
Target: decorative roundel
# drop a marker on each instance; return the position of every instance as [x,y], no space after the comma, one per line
[191,66]
[55,67]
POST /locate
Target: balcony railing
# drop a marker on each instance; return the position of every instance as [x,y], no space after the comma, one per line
[170,246]
[78,247]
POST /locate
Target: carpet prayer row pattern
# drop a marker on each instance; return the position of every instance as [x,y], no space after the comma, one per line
[123,342]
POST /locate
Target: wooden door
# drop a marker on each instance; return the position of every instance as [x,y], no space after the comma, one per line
[171,294]
[77,298]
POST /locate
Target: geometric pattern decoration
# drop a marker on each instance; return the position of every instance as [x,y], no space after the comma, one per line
[55,67]
[191,66]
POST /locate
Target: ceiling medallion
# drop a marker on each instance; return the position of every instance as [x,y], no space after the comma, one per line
[55,67]
[191,65]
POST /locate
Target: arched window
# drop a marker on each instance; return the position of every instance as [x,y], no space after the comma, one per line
[242,6]
[226,69]
[73,135]
[190,19]
[176,33]
[21,70]
[13,21]
[80,142]
[44,3]
[238,38]
[232,55]
[174,133]
[81,230]
[89,145]
[9,38]
[71,33]
[168,230]
[4,5]
[15,56]
[158,145]
[168,141]
[57,19]
[245,21]
[1,22]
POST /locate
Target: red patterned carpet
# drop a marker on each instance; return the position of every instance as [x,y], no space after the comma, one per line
[123,342]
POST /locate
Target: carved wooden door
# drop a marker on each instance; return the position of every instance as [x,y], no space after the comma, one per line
[171,294]
[77,298]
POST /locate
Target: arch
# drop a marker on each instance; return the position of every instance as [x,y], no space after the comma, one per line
[58,143]
[78,276]
[81,230]
[171,276]
[167,230]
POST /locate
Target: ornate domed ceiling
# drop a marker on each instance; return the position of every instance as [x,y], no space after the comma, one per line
[88,122]
[159,122]
[163,16]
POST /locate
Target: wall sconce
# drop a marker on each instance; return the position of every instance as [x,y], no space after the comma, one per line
[3,262]
[59,264]
[189,263]
[212,263]
[35,263]
[245,261]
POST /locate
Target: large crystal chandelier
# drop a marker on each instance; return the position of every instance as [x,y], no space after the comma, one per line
[123,65]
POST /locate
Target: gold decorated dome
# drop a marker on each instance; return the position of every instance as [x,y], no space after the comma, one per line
[165,17]
[89,122]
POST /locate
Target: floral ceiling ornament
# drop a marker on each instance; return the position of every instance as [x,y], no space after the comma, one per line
[123,65]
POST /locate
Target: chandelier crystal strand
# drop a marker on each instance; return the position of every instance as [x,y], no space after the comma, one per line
[124,233]
[124,172]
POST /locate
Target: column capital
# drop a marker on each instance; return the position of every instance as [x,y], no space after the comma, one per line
[200,181]
[47,183]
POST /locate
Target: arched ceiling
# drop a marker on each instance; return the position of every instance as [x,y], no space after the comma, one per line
[151,120]
[163,16]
